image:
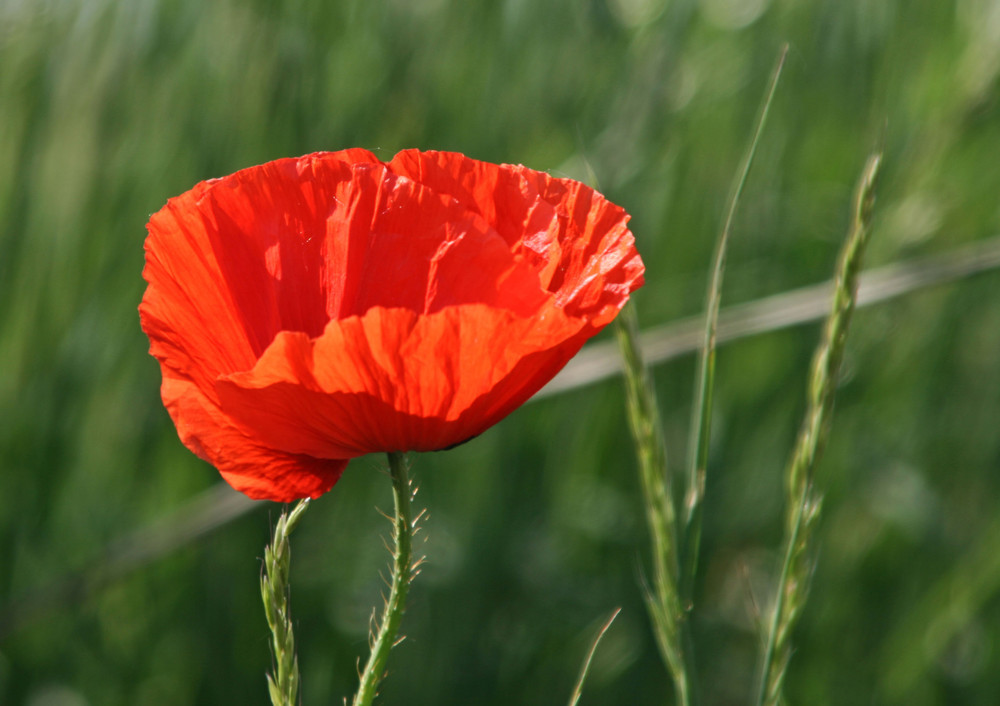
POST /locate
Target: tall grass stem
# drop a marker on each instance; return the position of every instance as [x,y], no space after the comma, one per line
[803,501]
[701,411]
[668,618]
[283,682]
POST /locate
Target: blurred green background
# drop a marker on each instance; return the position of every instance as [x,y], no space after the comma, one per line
[535,530]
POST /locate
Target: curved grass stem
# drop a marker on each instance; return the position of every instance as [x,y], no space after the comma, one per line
[574,699]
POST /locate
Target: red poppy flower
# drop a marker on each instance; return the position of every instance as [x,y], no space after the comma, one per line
[307,311]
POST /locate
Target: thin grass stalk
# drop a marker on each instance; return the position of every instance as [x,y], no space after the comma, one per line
[404,568]
[803,502]
[662,598]
[701,412]
[574,698]
[283,682]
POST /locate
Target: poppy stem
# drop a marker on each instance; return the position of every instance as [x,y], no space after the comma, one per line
[403,571]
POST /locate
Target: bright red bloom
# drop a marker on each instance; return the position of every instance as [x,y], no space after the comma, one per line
[311,310]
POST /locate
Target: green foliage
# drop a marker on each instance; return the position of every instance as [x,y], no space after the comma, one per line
[535,528]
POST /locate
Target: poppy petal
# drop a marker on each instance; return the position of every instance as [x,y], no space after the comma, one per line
[310,310]
[246,464]
[397,380]
[570,233]
[291,244]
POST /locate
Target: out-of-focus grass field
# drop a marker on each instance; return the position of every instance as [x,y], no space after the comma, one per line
[535,530]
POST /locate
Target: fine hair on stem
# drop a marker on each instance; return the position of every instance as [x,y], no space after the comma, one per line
[404,569]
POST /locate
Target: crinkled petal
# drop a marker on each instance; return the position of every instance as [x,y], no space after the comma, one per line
[394,380]
[293,243]
[576,239]
[247,464]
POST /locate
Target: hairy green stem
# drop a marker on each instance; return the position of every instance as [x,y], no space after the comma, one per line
[403,570]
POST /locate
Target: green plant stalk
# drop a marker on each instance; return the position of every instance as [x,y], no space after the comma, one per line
[574,699]
[701,412]
[662,599]
[403,571]
[283,684]
[802,500]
